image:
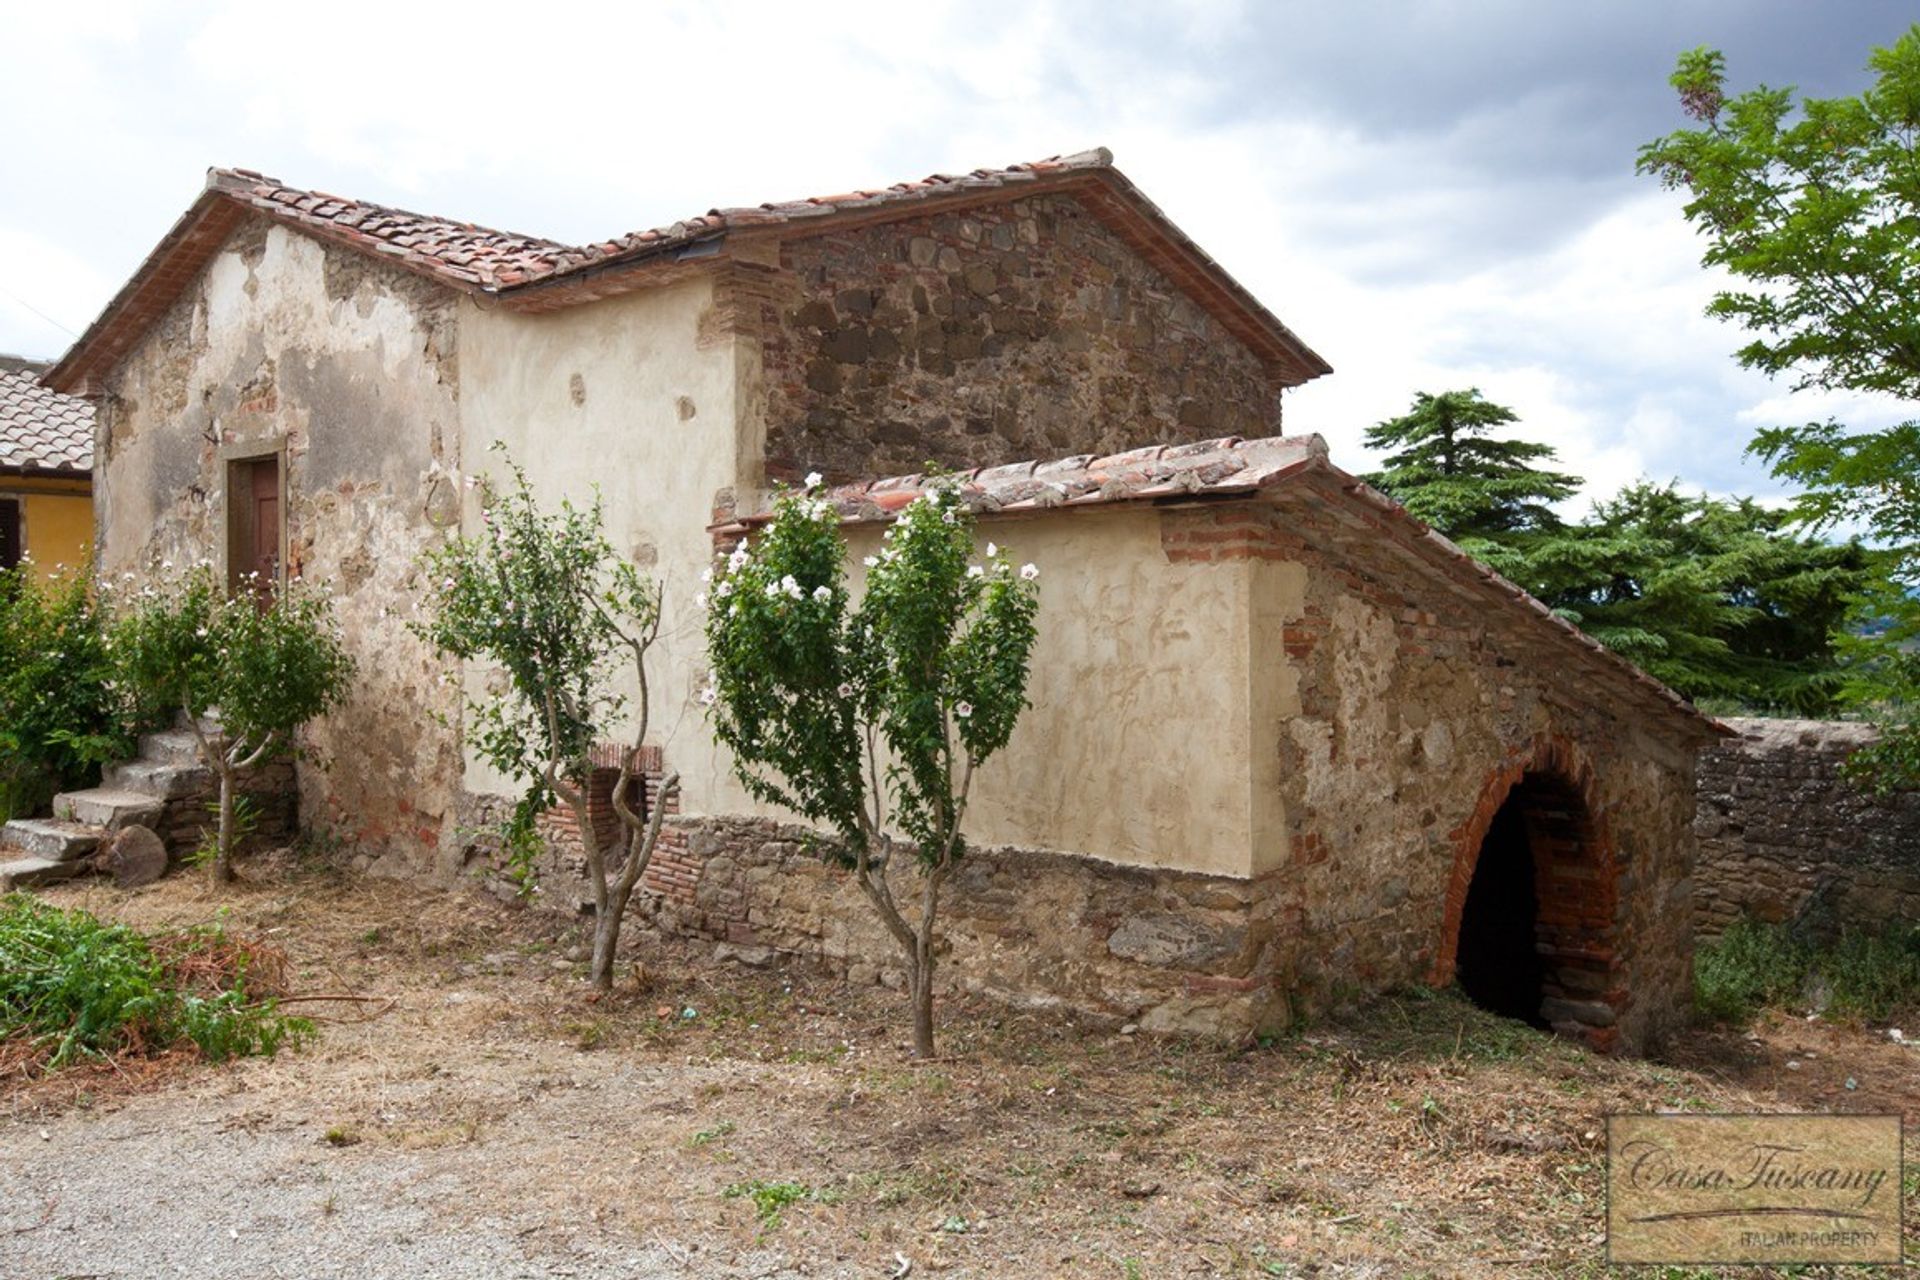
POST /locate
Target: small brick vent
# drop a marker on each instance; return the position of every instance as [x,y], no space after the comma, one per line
[671,873]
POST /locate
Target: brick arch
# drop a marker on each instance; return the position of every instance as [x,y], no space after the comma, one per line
[1576,884]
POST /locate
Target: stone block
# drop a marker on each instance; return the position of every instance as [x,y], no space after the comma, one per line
[1166,940]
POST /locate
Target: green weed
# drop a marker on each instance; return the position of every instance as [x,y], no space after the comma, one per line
[769,1198]
[1754,965]
[81,986]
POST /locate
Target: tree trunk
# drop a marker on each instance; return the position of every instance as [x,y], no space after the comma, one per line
[920,985]
[606,941]
[223,849]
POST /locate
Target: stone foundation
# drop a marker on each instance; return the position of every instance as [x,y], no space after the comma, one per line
[1171,951]
[189,820]
[1784,837]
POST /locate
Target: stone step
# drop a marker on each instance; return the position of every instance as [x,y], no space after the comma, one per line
[49,839]
[174,746]
[23,873]
[162,781]
[105,807]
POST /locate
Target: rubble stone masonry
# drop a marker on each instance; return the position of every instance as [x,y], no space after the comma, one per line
[991,335]
[1784,837]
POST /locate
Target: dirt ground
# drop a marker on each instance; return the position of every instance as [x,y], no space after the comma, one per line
[477,1115]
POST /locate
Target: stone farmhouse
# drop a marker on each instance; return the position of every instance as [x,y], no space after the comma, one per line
[1287,745]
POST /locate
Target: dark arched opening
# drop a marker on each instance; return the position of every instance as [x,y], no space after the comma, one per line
[1534,939]
[1498,960]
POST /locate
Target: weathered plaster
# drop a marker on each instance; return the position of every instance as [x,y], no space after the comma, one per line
[632,397]
[281,343]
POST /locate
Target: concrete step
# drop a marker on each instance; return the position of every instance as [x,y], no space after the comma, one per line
[175,746]
[160,780]
[22,873]
[49,839]
[105,807]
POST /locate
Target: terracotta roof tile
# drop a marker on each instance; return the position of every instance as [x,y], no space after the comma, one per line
[533,274]
[460,252]
[41,429]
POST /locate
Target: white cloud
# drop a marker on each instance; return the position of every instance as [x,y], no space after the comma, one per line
[1392,252]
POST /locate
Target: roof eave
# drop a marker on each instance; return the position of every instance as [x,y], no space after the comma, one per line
[182,253]
[30,471]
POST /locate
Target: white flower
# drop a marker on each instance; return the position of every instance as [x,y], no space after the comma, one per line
[700,600]
[946,517]
[973,571]
[709,696]
[992,551]
[813,479]
[448,584]
[791,588]
[1029,571]
[871,561]
[706,574]
[773,589]
[823,593]
[963,709]
[737,559]
[845,690]
[724,590]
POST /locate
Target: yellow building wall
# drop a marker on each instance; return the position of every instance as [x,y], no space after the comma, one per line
[56,518]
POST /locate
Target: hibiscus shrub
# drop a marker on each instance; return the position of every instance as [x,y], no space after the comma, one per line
[60,713]
[544,598]
[260,664]
[872,719]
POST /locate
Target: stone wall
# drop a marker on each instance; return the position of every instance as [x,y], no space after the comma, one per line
[988,335]
[1171,951]
[348,369]
[1400,709]
[1394,709]
[189,820]
[1784,837]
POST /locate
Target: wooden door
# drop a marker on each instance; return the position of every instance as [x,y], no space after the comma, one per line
[253,526]
[264,494]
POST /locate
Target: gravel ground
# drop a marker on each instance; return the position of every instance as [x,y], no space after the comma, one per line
[471,1110]
[210,1187]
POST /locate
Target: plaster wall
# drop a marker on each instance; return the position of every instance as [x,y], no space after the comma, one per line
[633,398]
[56,521]
[348,370]
[1133,654]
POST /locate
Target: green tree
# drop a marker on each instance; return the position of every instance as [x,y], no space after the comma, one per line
[1815,209]
[545,598]
[1717,599]
[1447,470]
[873,720]
[59,710]
[258,665]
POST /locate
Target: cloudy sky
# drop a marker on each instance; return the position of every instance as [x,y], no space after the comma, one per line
[1433,194]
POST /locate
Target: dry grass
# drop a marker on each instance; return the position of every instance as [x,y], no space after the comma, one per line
[1421,1136]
